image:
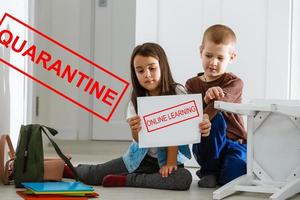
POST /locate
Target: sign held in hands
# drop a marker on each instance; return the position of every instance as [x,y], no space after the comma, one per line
[169,120]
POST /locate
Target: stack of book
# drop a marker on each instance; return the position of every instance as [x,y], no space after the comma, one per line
[57,191]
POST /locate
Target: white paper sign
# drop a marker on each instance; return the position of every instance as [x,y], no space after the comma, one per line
[169,120]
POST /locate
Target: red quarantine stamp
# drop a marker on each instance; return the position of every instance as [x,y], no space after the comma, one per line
[171,116]
[106,88]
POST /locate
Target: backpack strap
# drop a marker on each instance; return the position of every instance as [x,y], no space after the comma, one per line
[58,151]
[4,166]
[51,130]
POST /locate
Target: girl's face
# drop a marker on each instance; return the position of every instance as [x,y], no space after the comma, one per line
[148,73]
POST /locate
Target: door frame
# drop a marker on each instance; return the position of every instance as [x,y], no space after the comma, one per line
[30,88]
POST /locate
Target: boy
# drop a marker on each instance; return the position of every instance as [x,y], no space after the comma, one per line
[221,153]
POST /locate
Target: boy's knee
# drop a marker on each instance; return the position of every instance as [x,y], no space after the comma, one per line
[233,168]
[218,122]
[196,151]
[211,146]
[183,179]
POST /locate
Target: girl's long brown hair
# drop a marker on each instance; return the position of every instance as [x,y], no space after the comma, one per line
[167,84]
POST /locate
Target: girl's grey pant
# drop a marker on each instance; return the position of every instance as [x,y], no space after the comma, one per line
[146,175]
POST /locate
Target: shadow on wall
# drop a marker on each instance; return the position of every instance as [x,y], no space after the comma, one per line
[4,93]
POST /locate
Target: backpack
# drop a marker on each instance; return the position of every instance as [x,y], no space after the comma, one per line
[6,163]
[29,162]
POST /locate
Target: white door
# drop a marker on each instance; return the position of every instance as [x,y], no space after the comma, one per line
[114,42]
[71,29]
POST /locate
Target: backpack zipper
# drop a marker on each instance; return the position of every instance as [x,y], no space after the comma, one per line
[26,149]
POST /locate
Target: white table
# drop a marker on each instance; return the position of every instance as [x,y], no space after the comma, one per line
[273,148]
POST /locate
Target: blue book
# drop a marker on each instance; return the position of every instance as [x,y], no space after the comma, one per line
[57,186]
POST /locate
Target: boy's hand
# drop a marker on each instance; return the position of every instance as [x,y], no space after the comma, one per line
[167,169]
[213,93]
[205,126]
[135,126]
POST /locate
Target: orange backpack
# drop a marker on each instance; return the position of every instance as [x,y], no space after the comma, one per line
[6,163]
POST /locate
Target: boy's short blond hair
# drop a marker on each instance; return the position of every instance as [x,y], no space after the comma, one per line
[219,34]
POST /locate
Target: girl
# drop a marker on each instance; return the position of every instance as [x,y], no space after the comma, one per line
[160,168]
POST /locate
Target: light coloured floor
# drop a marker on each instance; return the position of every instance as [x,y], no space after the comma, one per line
[97,152]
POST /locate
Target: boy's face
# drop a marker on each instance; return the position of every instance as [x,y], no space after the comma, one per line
[215,58]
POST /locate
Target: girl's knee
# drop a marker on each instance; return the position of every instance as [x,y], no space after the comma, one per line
[89,174]
[183,179]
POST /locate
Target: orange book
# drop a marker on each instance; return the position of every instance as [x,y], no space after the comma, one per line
[54,196]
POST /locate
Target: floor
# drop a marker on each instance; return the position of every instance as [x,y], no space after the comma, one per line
[97,152]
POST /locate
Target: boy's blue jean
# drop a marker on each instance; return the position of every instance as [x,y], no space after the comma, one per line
[217,155]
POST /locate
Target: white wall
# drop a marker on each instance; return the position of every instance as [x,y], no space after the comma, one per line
[146,21]
[180,26]
[263,46]
[278,68]
[115,30]
[12,96]
[295,65]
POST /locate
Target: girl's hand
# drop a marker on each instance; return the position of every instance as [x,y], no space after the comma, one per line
[167,169]
[205,126]
[135,126]
[213,93]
